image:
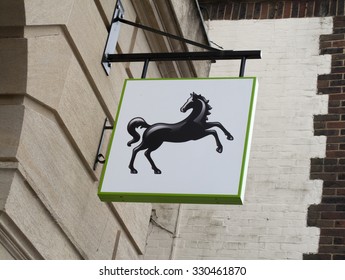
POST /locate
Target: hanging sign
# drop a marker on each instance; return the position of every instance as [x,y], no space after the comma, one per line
[180,141]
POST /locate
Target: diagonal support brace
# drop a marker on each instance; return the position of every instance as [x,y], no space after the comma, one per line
[100,157]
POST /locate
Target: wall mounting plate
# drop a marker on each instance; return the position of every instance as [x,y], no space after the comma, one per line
[113,36]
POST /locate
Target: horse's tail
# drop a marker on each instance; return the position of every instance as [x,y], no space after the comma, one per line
[131,128]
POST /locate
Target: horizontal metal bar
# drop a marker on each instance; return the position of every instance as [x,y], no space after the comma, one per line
[210,55]
[150,29]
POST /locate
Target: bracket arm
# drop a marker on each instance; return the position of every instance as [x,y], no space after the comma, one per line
[166,34]
[100,157]
[209,55]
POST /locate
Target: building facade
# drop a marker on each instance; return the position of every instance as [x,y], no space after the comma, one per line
[294,203]
[54,98]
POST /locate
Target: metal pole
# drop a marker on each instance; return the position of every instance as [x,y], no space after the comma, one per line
[99,156]
[146,66]
[150,29]
[243,65]
[178,56]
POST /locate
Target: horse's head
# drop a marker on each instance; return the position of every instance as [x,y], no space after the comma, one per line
[189,103]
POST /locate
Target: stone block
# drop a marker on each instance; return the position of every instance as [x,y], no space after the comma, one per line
[49,57]
[32,217]
[11,117]
[13,66]
[12,13]
[62,183]
[49,12]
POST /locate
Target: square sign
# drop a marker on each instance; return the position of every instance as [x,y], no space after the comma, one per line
[180,141]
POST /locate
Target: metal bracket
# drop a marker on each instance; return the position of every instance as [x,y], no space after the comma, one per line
[176,56]
[113,36]
[100,157]
[212,54]
[109,57]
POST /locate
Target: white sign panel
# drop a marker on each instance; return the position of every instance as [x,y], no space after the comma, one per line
[180,140]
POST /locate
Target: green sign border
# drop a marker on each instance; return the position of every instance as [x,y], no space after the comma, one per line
[182,198]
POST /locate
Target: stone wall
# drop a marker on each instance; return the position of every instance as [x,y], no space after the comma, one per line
[54,98]
[329,215]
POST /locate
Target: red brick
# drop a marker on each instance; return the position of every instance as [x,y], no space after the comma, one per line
[332,147]
[336,83]
[257,10]
[337,44]
[332,249]
[279,9]
[340,224]
[339,257]
[235,11]
[336,124]
[228,11]
[326,132]
[332,232]
[330,77]
[333,215]
[325,45]
[337,96]
[287,9]
[325,223]
[334,184]
[302,9]
[317,256]
[264,10]
[328,191]
[250,11]
[333,8]
[339,241]
[326,240]
[334,168]
[339,21]
[340,191]
[271,10]
[323,83]
[323,176]
[310,8]
[295,8]
[336,111]
[332,117]
[221,11]
[335,139]
[333,199]
[335,154]
[334,103]
[321,207]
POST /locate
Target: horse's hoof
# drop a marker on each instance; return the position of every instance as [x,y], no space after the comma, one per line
[219,149]
[134,171]
[157,171]
[230,137]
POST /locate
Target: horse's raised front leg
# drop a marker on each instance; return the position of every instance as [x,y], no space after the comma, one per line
[219,125]
[154,167]
[215,135]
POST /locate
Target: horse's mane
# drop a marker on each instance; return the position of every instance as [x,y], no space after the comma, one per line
[208,107]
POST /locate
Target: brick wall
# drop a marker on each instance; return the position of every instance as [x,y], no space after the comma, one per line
[329,215]
[234,10]
[272,223]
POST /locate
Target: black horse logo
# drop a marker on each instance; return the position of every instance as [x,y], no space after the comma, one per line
[194,127]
